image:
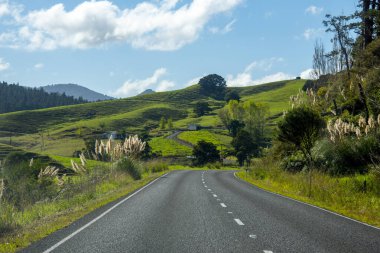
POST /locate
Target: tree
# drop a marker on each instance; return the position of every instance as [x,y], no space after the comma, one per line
[232,95]
[341,29]
[201,108]
[301,127]
[162,123]
[320,61]
[244,147]
[235,126]
[205,152]
[170,123]
[255,120]
[213,86]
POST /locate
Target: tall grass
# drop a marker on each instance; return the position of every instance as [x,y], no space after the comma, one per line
[356,196]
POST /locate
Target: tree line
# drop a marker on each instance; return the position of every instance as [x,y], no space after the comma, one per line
[17,98]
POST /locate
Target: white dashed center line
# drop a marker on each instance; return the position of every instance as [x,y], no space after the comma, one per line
[230,212]
[223,205]
[253,236]
[240,223]
[215,196]
[209,189]
[267,251]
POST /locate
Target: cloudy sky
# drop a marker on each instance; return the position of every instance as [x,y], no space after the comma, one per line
[121,48]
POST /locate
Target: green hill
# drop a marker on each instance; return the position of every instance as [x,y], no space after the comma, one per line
[61,130]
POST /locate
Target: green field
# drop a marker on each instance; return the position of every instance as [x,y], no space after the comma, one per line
[169,147]
[204,135]
[60,131]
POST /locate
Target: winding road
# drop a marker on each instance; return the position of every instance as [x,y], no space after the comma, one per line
[174,136]
[210,211]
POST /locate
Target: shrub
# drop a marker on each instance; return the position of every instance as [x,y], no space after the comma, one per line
[129,166]
[348,156]
[24,184]
[157,166]
[294,163]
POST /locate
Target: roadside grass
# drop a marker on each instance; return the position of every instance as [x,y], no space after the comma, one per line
[44,218]
[343,195]
[66,161]
[169,147]
[195,136]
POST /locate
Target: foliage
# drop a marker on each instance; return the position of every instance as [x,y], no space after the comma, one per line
[232,95]
[163,123]
[201,108]
[155,166]
[28,180]
[355,196]
[235,126]
[214,86]
[132,147]
[17,98]
[130,166]
[205,152]
[244,146]
[301,127]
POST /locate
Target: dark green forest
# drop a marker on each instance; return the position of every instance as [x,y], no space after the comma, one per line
[17,98]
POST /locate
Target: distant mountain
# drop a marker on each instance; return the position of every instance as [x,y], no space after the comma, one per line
[76,91]
[146,92]
[14,97]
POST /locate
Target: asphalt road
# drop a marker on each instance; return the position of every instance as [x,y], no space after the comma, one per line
[212,211]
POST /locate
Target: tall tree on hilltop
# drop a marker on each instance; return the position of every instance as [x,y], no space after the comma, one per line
[213,86]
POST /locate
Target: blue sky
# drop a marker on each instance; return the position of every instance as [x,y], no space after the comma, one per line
[121,48]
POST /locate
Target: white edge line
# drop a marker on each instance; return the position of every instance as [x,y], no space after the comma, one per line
[97,218]
[320,208]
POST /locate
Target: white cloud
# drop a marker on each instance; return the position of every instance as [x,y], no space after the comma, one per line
[165,85]
[193,81]
[4,9]
[134,87]
[39,66]
[314,10]
[307,74]
[226,29]
[4,65]
[312,33]
[245,78]
[158,25]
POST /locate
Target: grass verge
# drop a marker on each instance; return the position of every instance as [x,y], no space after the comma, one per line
[344,196]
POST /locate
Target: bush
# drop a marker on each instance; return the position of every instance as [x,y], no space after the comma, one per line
[294,163]
[214,166]
[156,166]
[129,166]
[349,155]
[23,187]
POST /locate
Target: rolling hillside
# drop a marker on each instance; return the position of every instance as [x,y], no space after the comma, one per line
[61,130]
